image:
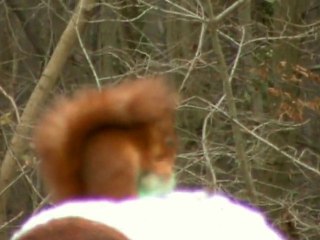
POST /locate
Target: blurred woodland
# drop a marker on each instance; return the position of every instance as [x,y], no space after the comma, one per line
[248,73]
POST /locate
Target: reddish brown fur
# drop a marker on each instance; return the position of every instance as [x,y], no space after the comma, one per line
[97,143]
[73,228]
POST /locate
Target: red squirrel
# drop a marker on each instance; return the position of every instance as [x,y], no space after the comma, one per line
[78,228]
[116,143]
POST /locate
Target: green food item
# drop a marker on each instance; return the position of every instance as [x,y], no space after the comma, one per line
[154,185]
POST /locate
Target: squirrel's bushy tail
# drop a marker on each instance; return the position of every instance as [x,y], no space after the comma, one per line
[61,132]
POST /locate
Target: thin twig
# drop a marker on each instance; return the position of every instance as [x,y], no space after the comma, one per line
[236,61]
[227,11]
[13,103]
[196,56]
[213,183]
[84,50]
[4,225]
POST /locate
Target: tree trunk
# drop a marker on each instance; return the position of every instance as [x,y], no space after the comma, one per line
[19,142]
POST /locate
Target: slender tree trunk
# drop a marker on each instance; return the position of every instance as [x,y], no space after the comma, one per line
[254,84]
[232,110]
[107,41]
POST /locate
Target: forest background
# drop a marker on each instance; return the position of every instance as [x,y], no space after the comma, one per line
[248,72]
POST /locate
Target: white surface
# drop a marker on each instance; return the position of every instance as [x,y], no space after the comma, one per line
[179,215]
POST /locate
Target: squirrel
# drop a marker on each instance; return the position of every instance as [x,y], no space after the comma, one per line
[118,142]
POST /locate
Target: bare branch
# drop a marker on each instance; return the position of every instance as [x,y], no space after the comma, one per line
[229,10]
